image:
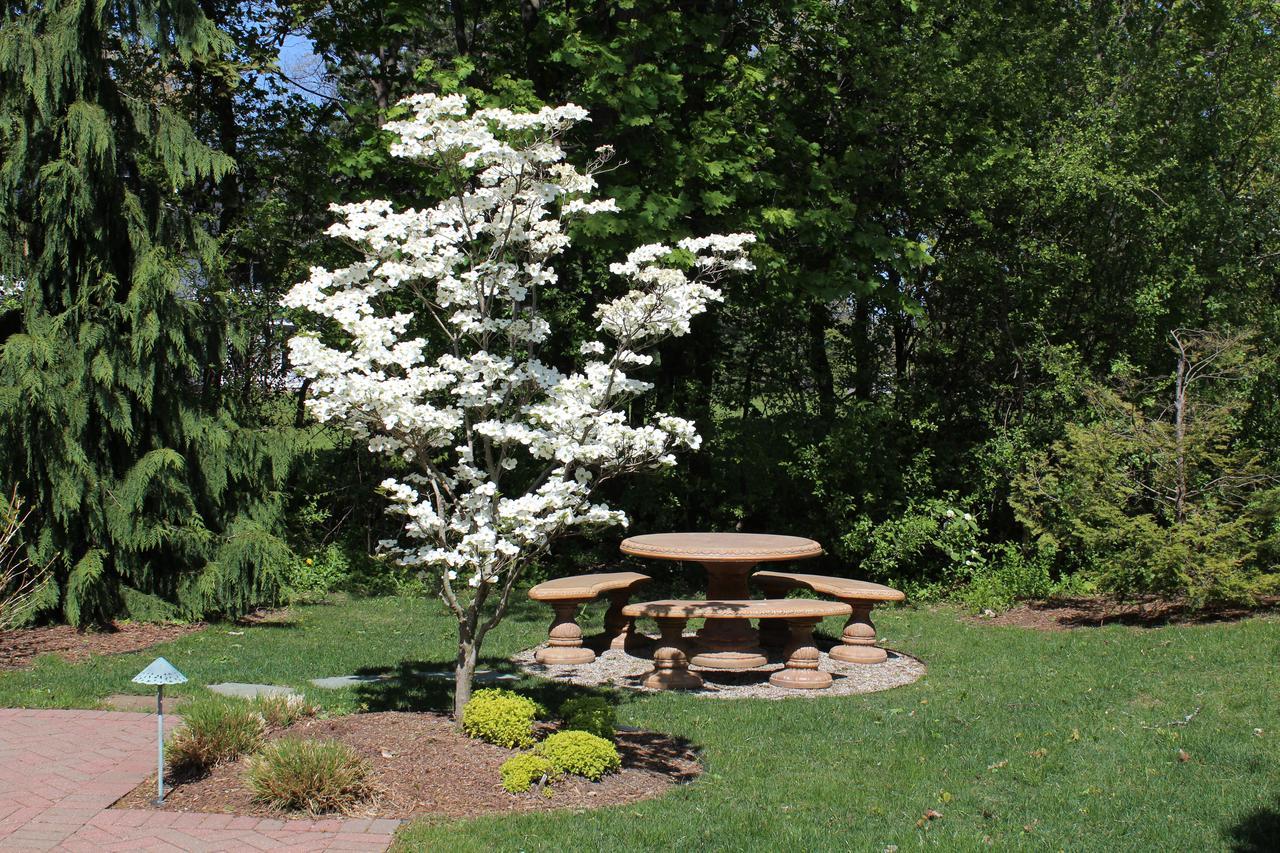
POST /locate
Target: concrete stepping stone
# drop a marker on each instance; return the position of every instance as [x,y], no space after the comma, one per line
[482,676]
[251,691]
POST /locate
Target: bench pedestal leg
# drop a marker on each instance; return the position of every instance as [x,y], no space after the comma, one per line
[565,644]
[670,663]
[619,631]
[802,671]
[858,643]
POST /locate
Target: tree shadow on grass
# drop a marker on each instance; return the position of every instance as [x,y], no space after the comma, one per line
[1258,832]
[427,685]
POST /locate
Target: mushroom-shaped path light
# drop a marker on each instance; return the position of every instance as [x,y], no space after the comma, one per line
[160,672]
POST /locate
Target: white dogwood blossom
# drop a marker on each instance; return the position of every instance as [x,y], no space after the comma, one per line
[431,353]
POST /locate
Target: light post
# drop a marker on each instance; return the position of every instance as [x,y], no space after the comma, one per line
[160,672]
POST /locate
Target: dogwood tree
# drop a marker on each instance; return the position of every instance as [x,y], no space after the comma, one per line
[439,363]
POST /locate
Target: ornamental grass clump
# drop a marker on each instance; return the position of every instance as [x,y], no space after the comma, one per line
[521,772]
[430,348]
[214,730]
[309,775]
[580,754]
[590,714]
[500,717]
[280,712]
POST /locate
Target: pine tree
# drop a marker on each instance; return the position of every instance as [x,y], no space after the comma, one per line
[115,433]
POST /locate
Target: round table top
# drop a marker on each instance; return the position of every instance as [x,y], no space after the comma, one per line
[721,547]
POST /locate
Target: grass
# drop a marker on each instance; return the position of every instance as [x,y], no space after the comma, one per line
[1019,739]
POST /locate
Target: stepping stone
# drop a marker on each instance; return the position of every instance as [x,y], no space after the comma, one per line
[251,691]
[337,682]
[483,676]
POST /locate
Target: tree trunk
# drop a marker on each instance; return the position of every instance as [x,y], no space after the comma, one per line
[864,376]
[819,363]
[1180,433]
[464,671]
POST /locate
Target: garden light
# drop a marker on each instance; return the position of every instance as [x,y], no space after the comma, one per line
[160,672]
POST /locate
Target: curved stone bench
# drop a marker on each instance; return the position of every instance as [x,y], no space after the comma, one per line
[671,660]
[858,643]
[566,595]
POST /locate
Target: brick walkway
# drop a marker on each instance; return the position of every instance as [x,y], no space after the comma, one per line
[61,770]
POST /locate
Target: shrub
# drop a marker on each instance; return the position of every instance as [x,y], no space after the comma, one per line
[580,754]
[283,711]
[314,577]
[214,730]
[590,714]
[315,776]
[500,717]
[521,772]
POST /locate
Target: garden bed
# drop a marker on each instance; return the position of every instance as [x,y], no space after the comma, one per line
[1060,614]
[20,647]
[420,765]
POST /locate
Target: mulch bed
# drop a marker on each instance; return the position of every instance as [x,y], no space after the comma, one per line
[20,647]
[1067,613]
[422,766]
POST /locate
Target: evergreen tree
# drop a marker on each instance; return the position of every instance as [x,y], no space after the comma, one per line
[114,430]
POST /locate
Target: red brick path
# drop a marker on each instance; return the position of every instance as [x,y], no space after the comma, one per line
[61,770]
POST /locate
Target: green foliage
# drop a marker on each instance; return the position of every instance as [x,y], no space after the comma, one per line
[521,772]
[580,753]
[312,578]
[114,416]
[590,714]
[214,729]
[314,776]
[500,717]
[1160,491]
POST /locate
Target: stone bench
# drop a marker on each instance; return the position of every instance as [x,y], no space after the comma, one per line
[565,595]
[858,643]
[671,660]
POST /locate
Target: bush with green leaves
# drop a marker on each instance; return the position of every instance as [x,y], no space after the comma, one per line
[309,775]
[312,578]
[215,729]
[580,754]
[501,717]
[521,772]
[590,714]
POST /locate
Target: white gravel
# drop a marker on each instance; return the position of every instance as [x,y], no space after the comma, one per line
[620,669]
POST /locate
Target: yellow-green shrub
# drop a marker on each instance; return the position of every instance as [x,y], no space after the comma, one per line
[521,772]
[500,717]
[590,714]
[580,754]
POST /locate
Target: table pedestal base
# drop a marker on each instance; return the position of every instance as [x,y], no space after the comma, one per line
[738,658]
[728,643]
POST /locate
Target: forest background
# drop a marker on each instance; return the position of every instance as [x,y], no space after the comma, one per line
[1013,331]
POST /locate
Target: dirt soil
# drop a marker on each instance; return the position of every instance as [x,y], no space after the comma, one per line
[1066,613]
[20,647]
[422,766]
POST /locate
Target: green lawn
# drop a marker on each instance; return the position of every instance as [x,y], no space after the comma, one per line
[1020,739]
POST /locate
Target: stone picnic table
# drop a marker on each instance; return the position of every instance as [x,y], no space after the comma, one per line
[728,559]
